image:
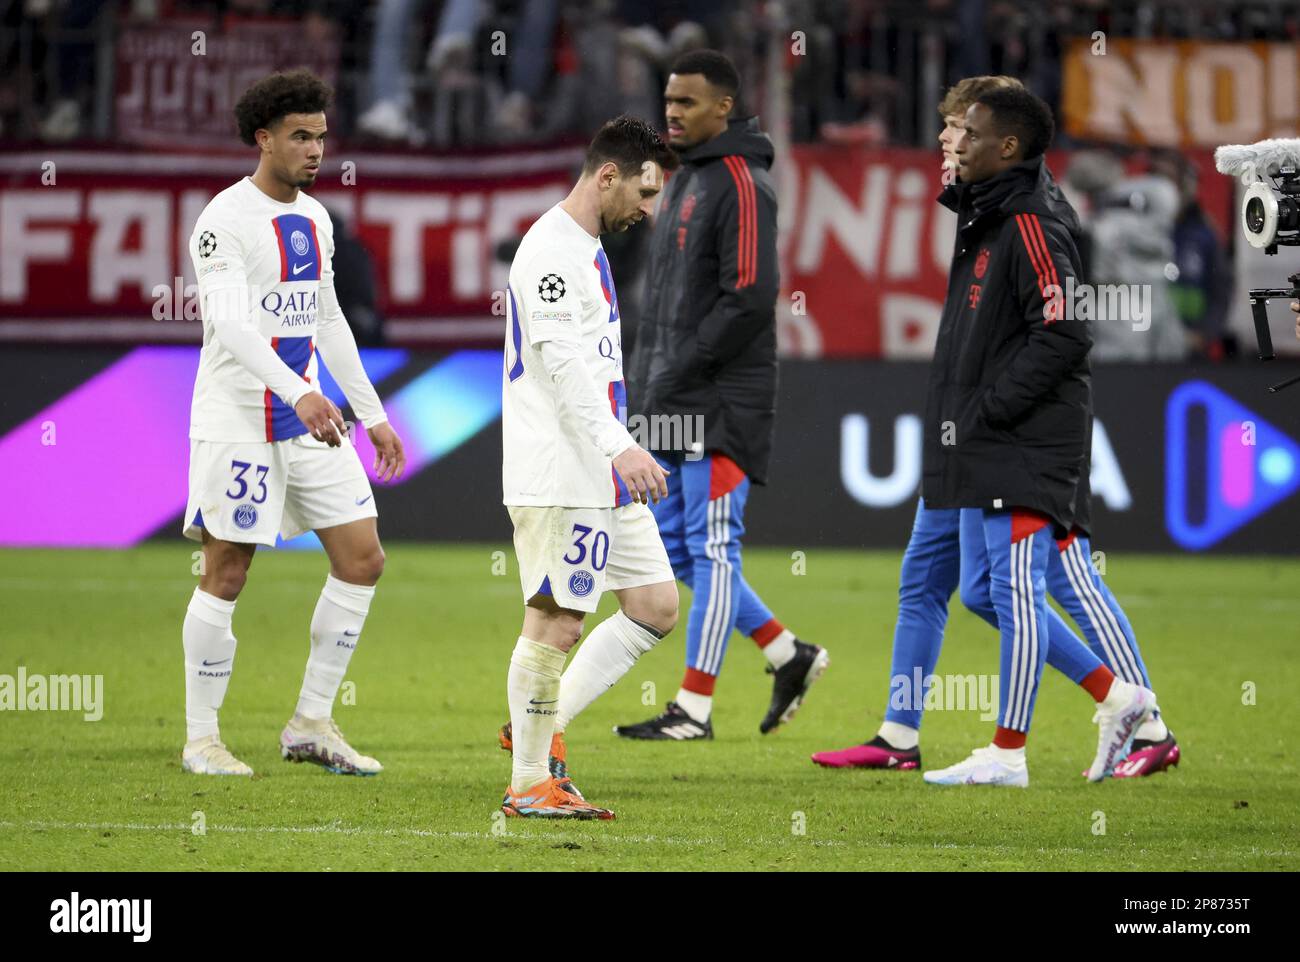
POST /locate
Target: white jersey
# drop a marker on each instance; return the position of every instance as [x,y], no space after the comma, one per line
[561,289]
[283,254]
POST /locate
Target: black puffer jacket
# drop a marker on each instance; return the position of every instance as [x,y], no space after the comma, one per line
[1009,407]
[706,344]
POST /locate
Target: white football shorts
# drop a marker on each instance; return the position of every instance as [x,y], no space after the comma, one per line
[250,491]
[576,554]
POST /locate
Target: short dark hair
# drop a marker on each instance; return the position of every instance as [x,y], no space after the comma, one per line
[629,142]
[716,66]
[275,96]
[1017,112]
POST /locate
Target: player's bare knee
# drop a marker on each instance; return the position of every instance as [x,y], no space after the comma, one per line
[362,569]
[226,582]
[564,632]
[372,566]
[666,610]
[656,607]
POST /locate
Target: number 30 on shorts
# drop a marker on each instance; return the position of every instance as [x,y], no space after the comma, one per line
[599,547]
[241,468]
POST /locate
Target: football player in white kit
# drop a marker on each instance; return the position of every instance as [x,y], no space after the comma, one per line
[576,484]
[269,453]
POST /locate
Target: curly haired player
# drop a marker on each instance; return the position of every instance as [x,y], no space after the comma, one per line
[269,453]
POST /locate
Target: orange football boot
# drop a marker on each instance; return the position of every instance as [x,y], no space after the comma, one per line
[557,762]
[550,799]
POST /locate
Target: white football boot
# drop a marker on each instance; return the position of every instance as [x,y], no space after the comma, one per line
[984,767]
[320,741]
[208,756]
[1125,708]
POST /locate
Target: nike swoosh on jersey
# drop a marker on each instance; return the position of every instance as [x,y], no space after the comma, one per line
[299,268]
[365,499]
[209,664]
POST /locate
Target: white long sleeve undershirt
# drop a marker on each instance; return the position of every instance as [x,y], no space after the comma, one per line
[228,310]
[338,349]
[581,397]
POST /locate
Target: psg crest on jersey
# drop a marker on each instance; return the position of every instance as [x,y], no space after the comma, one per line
[207,244]
[299,241]
[581,583]
[245,516]
[551,288]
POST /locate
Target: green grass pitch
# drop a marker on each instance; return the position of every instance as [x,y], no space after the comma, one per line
[430,693]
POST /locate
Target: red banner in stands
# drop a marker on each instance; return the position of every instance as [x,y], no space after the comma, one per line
[865,252]
[92,244]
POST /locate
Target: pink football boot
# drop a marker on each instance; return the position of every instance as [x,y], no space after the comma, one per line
[876,753]
[1147,758]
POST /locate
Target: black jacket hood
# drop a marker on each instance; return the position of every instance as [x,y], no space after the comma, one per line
[1026,188]
[742,137]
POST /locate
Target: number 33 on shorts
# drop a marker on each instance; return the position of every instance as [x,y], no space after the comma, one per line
[250,492]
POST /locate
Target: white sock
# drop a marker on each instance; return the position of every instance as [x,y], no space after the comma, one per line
[533,688]
[1014,757]
[209,659]
[899,735]
[698,706]
[607,654]
[1153,729]
[780,649]
[335,630]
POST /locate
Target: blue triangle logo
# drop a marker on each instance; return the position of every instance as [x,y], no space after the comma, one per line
[1243,469]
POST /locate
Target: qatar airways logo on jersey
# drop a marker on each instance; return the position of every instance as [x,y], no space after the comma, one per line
[180,301]
[292,309]
[611,349]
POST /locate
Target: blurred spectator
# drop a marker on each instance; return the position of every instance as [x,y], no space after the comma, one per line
[867,70]
[388,112]
[354,284]
[462,65]
[66,35]
[1204,285]
[1129,239]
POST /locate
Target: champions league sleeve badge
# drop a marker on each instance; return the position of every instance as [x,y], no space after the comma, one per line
[551,288]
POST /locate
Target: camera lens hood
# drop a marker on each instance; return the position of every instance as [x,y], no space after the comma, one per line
[1259,215]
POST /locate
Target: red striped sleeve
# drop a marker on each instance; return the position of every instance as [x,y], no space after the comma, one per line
[1031,232]
[747,234]
[1042,246]
[315,236]
[266,398]
[613,472]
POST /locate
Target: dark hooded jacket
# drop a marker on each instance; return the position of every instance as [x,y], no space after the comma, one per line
[1009,406]
[706,342]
